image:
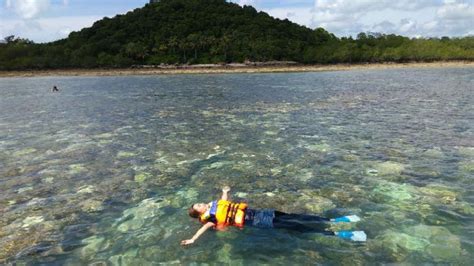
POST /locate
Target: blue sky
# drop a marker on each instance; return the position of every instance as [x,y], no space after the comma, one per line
[48,20]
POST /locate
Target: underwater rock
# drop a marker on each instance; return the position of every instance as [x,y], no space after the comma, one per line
[242,195]
[394,193]
[439,192]
[350,157]
[276,171]
[435,241]
[467,166]
[23,189]
[136,217]
[94,245]
[389,168]
[312,202]
[48,180]
[217,165]
[224,254]
[304,175]
[141,177]
[125,154]
[23,152]
[372,172]
[77,168]
[464,208]
[127,258]
[86,189]
[467,152]
[434,153]
[423,172]
[442,244]
[270,133]
[13,172]
[399,245]
[184,197]
[32,220]
[244,166]
[91,205]
[320,147]
[104,135]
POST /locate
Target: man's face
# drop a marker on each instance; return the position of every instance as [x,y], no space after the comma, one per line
[200,207]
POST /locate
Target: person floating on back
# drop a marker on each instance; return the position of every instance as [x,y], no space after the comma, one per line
[55,89]
[222,213]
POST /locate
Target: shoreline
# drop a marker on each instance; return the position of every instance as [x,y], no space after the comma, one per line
[229,70]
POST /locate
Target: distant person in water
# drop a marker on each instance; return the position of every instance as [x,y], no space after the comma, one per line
[222,213]
[55,89]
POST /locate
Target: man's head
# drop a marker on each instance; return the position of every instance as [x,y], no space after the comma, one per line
[197,209]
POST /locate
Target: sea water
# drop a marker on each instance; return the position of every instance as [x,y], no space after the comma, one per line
[103,171]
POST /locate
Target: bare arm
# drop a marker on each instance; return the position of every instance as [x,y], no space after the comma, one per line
[198,234]
[225,193]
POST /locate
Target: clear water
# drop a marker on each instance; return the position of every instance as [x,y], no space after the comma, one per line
[104,171]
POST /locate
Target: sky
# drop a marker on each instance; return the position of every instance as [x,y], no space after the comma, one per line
[49,20]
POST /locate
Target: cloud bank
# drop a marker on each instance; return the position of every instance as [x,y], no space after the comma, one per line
[430,18]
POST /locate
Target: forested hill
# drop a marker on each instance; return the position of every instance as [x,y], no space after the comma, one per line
[215,31]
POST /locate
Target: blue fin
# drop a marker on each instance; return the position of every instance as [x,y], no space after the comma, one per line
[358,236]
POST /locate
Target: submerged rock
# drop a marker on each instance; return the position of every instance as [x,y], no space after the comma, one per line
[439,192]
[86,189]
[467,166]
[434,153]
[91,205]
[24,152]
[389,168]
[77,168]
[48,180]
[218,165]
[125,154]
[23,189]
[398,245]
[320,147]
[127,258]
[372,172]
[141,177]
[136,217]
[434,241]
[442,244]
[391,192]
[94,245]
[32,220]
[304,175]
[467,152]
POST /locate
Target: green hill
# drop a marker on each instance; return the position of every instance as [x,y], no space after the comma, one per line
[213,31]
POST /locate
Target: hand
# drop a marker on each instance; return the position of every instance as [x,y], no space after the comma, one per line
[225,189]
[187,242]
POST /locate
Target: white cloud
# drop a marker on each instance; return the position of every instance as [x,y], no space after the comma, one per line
[453,10]
[407,26]
[384,26]
[45,29]
[28,9]
[407,17]
[365,6]
[247,2]
[302,16]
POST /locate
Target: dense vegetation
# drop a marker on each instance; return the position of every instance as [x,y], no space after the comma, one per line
[214,31]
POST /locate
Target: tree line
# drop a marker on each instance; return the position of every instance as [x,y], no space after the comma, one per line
[215,31]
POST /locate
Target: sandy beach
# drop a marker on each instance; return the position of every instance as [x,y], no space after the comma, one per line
[227,69]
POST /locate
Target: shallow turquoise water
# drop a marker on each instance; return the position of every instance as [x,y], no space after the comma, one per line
[104,171]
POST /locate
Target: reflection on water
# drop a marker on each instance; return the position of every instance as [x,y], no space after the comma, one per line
[104,171]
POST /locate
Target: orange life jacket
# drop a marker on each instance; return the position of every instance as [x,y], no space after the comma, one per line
[226,213]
